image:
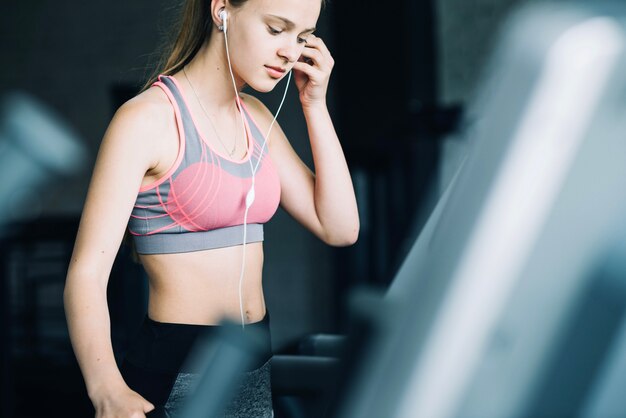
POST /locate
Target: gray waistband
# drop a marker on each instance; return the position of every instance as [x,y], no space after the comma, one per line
[197,241]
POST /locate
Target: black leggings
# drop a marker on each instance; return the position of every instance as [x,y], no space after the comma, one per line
[155,367]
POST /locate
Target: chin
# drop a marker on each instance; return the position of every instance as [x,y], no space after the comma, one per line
[264,86]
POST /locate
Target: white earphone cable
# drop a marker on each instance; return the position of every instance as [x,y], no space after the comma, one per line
[251,193]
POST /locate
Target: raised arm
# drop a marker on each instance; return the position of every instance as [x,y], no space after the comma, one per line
[323,201]
[128,151]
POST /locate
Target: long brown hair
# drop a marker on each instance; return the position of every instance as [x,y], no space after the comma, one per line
[193,30]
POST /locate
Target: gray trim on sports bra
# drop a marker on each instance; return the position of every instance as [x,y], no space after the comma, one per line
[196,241]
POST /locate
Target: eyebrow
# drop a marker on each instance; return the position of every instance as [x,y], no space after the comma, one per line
[290,24]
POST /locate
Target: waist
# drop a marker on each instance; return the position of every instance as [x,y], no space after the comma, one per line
[166,347]
[203,286]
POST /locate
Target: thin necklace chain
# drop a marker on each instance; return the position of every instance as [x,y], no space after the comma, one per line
[230,153]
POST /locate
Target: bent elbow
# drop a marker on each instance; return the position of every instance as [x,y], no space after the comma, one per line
[343,239]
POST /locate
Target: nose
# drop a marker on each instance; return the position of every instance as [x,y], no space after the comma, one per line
[290,51]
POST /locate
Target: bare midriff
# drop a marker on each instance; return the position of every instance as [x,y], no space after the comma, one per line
[202,287]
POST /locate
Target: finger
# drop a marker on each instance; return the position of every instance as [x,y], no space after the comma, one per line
[319,46]
[313,41]
[302,66]
[314,55]
[312,72]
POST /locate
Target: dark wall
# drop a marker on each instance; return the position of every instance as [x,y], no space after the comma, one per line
[387,69]
[70,55]
[386,97]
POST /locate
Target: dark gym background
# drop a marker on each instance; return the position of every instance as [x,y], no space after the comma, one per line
[403,71]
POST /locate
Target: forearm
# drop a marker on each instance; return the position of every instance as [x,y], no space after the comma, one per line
[89,327]
[335,202]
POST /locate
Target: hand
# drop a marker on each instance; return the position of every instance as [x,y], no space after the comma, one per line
[312,72]
[122,403]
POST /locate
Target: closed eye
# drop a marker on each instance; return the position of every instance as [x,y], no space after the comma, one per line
[274,31]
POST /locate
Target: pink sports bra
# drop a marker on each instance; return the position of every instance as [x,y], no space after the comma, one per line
[199,203]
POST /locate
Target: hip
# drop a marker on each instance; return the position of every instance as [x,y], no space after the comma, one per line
[157,367]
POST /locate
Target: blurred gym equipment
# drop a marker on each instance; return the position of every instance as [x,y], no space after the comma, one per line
[37,149]
[514,310]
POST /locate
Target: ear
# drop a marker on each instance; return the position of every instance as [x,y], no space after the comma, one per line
[216,7]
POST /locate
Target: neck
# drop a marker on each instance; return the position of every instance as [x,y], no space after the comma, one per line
[210,75]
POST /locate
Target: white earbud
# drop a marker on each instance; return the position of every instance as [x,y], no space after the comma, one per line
[224,16]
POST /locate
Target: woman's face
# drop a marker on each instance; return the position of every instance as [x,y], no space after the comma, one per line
[266,38]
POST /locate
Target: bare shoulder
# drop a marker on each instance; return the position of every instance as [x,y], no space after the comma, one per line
[144,124]
[149,112]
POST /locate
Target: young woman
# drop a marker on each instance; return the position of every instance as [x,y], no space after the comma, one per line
[176,168]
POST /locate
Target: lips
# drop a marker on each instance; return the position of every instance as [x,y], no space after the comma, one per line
[275,72]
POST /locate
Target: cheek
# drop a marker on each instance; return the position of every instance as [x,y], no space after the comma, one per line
[251,48]
[242,51]
[260,53]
